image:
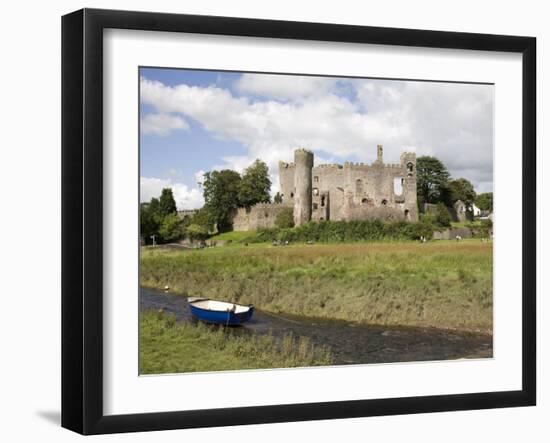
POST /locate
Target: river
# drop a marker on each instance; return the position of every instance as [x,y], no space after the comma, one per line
[350,343]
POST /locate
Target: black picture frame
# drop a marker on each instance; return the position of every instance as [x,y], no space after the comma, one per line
[82,218]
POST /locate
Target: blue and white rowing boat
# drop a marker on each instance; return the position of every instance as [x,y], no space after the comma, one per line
[220,312]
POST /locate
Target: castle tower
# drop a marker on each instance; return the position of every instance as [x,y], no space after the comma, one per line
[408,163]
[303,161]
[379,154]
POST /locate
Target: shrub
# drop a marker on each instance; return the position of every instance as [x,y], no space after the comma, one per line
[285,219]
[171,228]
[196,232]
[442,217]
[345,231]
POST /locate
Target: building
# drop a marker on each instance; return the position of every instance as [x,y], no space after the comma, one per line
[352,191]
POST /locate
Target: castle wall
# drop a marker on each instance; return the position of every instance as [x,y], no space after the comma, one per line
[286,181]
[353,191]
[260,216]
[328,179]
[363,191]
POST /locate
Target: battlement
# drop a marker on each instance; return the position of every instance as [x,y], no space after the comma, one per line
[328,166]
[285,165]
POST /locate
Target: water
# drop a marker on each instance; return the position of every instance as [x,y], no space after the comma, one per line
[349,343]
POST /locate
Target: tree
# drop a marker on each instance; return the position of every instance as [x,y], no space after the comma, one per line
[196,232]
[255,185]
[431,180]
[278,198]
[167,204]
[442,217]
[148,221]
[461,189]
[221,196]
[203,217]
[171,228]
[285,218]
[484,201]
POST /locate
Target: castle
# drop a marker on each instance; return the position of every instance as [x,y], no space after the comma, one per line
[352,191]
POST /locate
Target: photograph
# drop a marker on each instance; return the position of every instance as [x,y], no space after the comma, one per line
[295,221]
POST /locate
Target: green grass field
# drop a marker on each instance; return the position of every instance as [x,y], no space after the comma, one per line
[167,346]
[443,284]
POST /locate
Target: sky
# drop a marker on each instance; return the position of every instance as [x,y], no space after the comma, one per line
[193,121]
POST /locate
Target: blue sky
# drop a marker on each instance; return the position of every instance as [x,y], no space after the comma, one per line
[194,121]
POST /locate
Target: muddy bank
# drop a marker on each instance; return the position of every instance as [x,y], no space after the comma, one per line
[349,343]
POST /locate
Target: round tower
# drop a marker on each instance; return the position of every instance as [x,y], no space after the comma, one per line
[408,163]
[303,161]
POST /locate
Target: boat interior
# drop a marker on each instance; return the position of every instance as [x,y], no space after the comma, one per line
[213,305]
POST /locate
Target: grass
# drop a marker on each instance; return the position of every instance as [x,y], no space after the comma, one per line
[466,224]
[443,284]
[167,346]
[233,236]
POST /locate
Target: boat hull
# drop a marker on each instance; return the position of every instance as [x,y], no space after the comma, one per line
[220,317]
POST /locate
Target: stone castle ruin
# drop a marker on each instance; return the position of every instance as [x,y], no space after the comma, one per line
[352,191]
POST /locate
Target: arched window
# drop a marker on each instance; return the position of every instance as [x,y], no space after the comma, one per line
[358,186]
[407,214]
[410,168]
[384,202]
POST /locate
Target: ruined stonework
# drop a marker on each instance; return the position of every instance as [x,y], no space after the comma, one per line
[352,191]
[262,215]
[461,212]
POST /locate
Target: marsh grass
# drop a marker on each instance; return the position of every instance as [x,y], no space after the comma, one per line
[437,284]
[167,346]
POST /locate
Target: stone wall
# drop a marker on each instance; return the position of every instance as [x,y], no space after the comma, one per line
[263,215]
[450,234]
[353,190]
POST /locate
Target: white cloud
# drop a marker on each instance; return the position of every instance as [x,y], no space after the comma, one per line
[185,197]
[199,177]
[450,121]
[162,124]
[283,87]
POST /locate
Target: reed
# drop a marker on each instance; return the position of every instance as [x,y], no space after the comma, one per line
[443,284]
[167,346]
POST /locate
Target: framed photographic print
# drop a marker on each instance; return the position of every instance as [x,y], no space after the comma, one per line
[269,221]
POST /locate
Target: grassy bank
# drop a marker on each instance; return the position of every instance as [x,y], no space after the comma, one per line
[167,346]
[437,284]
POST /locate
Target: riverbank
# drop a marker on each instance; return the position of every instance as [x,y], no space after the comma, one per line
[442,284]
[170,346]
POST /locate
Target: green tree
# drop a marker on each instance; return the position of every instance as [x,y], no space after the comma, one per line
[431,180]
[171,228]
[148,222]
[461,189]
[204,218]
[484,201]
[442,217]
[285,219]
[196,232]
[154,209]
[167,204]
[221,196]
[255,185]
[278,198]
